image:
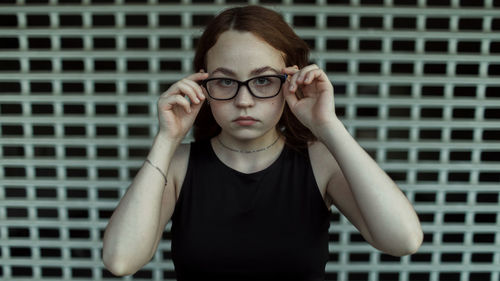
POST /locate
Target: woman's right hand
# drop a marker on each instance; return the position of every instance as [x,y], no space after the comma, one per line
[176,114]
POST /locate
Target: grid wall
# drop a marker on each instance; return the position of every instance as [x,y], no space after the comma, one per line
[416,82]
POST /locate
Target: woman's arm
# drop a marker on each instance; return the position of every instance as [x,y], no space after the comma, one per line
[359,187]
[368,197]
[135,228]
[131,237]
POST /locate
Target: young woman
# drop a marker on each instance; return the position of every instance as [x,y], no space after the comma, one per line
[250,198]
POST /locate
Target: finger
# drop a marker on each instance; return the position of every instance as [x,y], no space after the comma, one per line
[291,70]
[298,78]
[193,77]
[293,81]
[288,91]
[190,90]
[290,97]
[182,102]
[184,90]
[304,72]
[195,108]
[198,76]
[312,75]
[197,89]
[169,102]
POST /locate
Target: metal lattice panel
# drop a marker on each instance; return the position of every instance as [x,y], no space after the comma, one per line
[416,82]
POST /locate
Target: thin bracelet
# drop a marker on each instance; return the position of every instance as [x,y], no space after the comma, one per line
[159,170]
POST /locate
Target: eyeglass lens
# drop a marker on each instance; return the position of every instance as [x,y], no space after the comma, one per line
[226,88]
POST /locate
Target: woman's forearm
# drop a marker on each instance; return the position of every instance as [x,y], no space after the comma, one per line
[132,230]
[390,218]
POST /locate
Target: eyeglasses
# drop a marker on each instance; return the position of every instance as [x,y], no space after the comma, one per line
[262,87]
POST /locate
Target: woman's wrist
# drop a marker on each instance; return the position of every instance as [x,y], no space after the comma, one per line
[162,151]
[163,174]
[164,138]
[324,131]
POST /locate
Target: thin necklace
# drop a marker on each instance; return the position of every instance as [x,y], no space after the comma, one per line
[248,151]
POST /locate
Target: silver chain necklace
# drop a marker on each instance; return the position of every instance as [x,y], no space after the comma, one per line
[248,151]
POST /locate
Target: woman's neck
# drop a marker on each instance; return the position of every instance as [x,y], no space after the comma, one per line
[246,150]
[248,155]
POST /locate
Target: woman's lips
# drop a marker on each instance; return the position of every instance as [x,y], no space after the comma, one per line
[245,121]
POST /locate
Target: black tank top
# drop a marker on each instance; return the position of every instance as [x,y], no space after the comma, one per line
[268,225]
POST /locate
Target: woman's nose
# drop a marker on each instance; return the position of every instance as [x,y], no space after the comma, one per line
[244,98]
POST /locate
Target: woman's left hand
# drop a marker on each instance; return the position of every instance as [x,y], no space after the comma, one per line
[309,94]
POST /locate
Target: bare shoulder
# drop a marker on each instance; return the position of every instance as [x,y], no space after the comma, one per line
[324,166]
[178,166]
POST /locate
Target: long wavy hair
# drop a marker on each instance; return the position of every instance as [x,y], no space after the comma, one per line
[269,26]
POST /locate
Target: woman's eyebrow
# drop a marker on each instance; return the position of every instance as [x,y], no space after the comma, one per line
[261,70]
[223,70]
[257,71]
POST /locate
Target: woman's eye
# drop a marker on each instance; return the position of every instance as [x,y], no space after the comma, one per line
[262,81]
[226,82]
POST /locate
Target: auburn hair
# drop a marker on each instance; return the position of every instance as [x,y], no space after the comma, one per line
[270,27]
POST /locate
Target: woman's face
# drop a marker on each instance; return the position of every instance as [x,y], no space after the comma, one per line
[241,56]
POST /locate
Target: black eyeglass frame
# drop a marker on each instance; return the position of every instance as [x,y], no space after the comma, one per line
[282,77]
